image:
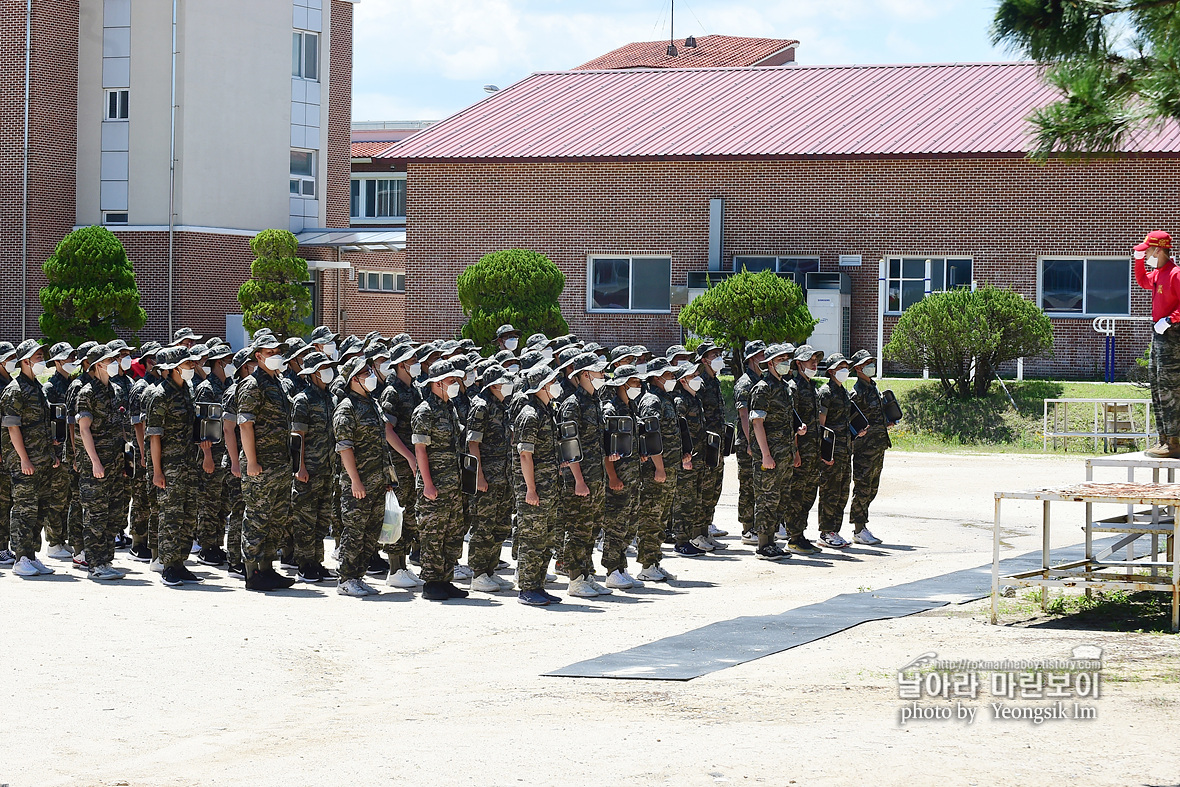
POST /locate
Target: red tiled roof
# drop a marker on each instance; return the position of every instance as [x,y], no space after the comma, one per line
[783,112]
[369,149]
[710,52]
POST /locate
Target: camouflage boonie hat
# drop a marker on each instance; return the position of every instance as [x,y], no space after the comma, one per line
[497,375]
[149,350]
[322,335]
[199,350]
[6,349]
[777,351]
[171,357]
[587,362]
[706,347]
[625,374]
[834,360]
[401,353]
[506,330]
[118,345]
[537,378]
[352,367]
[536,340]
[861,356]
[266,341]
[504,356]
[183,334]
[442,370]
[675,350]
[26,349]
[567,356]
[805,352]
[753,348]
[531,359]
[98,352]
[622,351]
[657,367]
[313,362]
[62,351]
[83,350]
[241,358]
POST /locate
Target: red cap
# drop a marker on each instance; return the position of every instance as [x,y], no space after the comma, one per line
[1158,238]
[1142,247]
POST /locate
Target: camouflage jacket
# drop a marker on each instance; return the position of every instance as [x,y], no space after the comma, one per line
[313,413]
[690,407]
[613,405]
[837,409]
[109,424]
[741,400]
[211,390]
[661,405]
[398,401]
[807,406]
[868,399]
[357,423]
[713,403]
[56,387]
[23,404]
[583,409]
[4,445]
[772,401]
[435,426]
[535,432]
[171,416]
[487,424]
[260,399]
[229,418]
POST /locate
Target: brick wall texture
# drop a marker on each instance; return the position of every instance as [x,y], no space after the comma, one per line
[1002,212]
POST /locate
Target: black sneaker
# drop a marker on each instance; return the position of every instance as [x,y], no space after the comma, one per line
[188,576]
[669,538]
[801,546]
[258,581]
[309,573]
[377,565]
[122,541]
[326,573]
[552,598]
[771,552]
[141,553]
[454,592]
[416,558]
[503,565]
[277,581]
[208,557]
[288,562]
[171,577]
[435,591]
[237,570]
[688,550]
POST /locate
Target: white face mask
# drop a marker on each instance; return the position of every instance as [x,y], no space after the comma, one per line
[513,367]
[275,362]
[511,344]
[10,367]
[452,390]
[469,379]
[870,369]
[187,374]
[598,383]
[841,376]
[415,369]
[684,364]
[125,363]
[808,373]
[370,383]
[555,390]
[326,376]
[694,384]
[386,369]
[783,368]
[69,368]
[669,385]
[330,350]
[205,370]
[506,390]
[40,368]
[633,391]
[717,364]
[112,368]
[547,354]
[230,370]
[641,368]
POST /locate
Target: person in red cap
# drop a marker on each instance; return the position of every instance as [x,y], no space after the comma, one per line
[1155,270]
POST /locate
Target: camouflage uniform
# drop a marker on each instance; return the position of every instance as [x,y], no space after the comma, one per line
[212,505]
[357,423]
[771,401]
[398,401]
[535,432]
[491,511]
[122,384]
[581,515]
[63,479]
[440,521]
[713,405]
[833,490]
[70,458]
[23,404]
[171,417]
[234,506]
[622,507]
[688,507]
[868,452]
[5,478]
[805,480]
[101,519]
[145,506]
[311,502]
[267,496]
[655,502]
[741,400]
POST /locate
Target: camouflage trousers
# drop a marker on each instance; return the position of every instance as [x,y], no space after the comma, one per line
[153,517]
[407,495]
[745,465]
[687,509]
[581,515]
[31,503]
[74,515]
[101,517]
[5,506]
[804,488]
[440,531]
[867,462]
[267,500]
[711,484]
[655,508]
[833,493]
[178,514]
[360,525]
[491,522]
[621,514]
[311,516]
[771,492]
[236,508]
[60,479]
[535,526]
[212,508]
[140,487]
[1164,374]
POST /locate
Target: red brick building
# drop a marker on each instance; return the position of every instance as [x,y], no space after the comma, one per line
[631,180]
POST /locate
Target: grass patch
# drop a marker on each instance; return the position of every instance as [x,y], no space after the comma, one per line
[1112,610]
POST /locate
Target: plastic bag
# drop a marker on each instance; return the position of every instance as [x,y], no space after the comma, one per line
[391,528]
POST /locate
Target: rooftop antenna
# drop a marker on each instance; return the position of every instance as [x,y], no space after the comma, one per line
[672,51]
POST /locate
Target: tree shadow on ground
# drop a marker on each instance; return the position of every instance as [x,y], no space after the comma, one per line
[1111,611]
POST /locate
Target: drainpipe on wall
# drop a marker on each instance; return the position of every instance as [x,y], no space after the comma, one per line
[24,215]
[339,321]
[172,174]
[882,294]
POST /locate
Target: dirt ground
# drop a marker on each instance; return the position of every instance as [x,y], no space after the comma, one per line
[132,683]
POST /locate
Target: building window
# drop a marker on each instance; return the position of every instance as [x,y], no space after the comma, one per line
[305,55]
[1084,285]
[799,267]
[116,104]
[380,281]
[907,278]
[378,198]
[303,173]
[114,218]
[630,284]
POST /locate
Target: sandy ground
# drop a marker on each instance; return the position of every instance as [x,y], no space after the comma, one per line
[137,684]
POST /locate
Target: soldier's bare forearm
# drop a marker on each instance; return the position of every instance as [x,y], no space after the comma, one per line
[246,428]
[526,470]
[423,464]
[348,460]
[744,415]
[18,443]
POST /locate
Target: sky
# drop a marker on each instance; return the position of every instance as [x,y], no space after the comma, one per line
[427,59]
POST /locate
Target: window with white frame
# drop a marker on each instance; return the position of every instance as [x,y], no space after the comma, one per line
[380,281]
[378,198]
[116,104]
[630,284]
[114,218]
[305,55]
[302,173]
[1084,286]
[906,278]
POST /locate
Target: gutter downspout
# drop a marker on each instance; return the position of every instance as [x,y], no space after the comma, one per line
[881,300]
[339,322]
[172,175]
[24,217]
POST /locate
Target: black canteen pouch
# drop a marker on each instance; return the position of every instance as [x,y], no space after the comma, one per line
[57,414]
[209,426]
[728,440]
[651,440]
[569,446]
[713,452]
[468,473]
[620,435]
[890,407]
[827,445]
[295,448]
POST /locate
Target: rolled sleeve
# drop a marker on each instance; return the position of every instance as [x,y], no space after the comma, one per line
[84,414]
[245,418]
[154,431]
[757,415]
[525,448]
[296,426]
[474,436]
[343,445]
[421,439]
[10,420]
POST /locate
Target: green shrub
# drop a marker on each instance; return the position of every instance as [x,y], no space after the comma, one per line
[514,286]
[91,289]
[274,297]
[947,331]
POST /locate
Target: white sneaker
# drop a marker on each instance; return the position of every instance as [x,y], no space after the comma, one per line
[750,537]
[667,575]
[59,552]
[865,537]
[550,578]
[702,543]
[351,587]
[599,589]
[485,584]
[156,566]
[25,568]
[632,551]
[463,573]
[105,571]
[651,573]
[716,532]
[618,579]
[781,535]
[372,591]
[581,588]
[716,544]
[41,567]
[403,578]
[635,583]
[832,539]
[196,548]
